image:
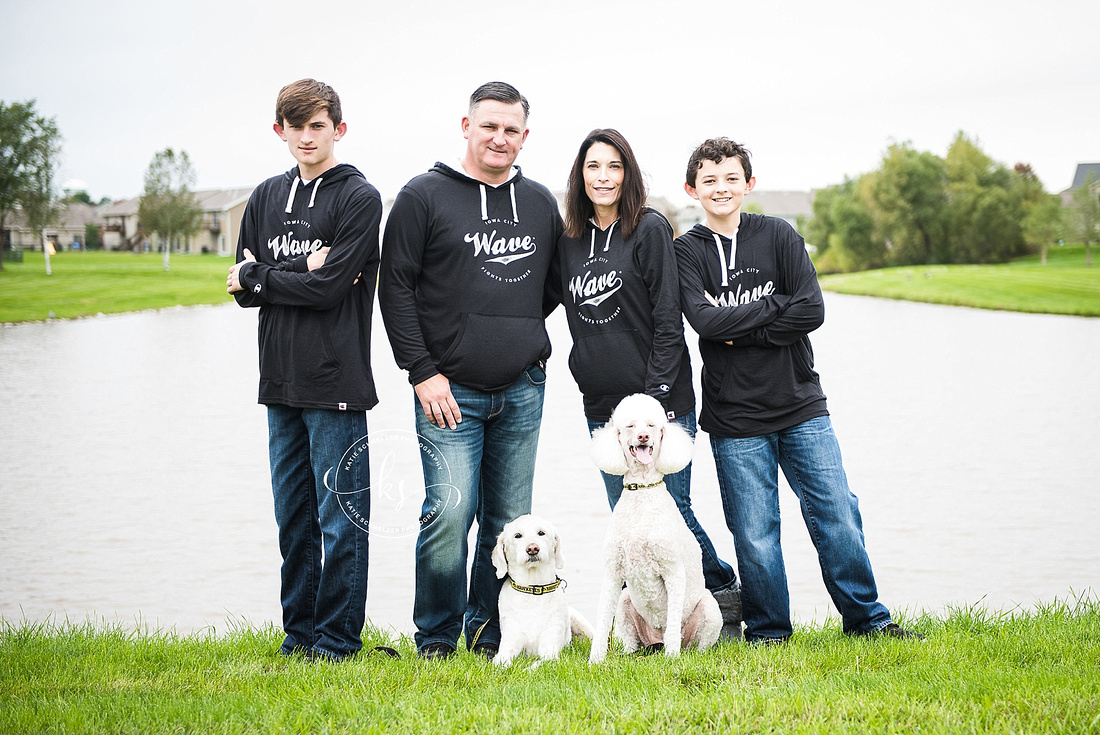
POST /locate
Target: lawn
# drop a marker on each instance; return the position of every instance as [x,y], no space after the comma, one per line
[1065,285]
[90,283]
[977,672]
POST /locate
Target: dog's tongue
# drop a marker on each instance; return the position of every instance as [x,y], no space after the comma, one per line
[643,454]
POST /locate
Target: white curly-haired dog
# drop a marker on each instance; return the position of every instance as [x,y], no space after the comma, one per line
[534,615]
[649,546]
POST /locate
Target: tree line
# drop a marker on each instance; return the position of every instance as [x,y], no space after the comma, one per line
[915,209]
[30,149]
[920,209]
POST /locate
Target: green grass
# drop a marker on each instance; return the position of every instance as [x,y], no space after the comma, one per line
[1065,285]
[90,283]
[1017,672]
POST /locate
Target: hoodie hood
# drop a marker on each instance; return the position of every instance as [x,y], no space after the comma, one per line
[461,175]
[293,179]
[748,225]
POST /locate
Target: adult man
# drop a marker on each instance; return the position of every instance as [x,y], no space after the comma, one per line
[315,377]
[466,255]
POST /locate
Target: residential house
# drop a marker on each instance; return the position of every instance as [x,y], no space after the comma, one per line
[65,231]
[221,221]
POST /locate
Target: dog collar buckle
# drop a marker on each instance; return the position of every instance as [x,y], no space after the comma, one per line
[537,589]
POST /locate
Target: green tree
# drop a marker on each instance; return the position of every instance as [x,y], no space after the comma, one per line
[983,213]
[1085,214]
[91,237]
[168,207]
[908,198]
[29,147]
[1043,224]
[842,230]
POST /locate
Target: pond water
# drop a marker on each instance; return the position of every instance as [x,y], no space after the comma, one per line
[134,484]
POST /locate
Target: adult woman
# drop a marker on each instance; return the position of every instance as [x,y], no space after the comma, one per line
[621,297]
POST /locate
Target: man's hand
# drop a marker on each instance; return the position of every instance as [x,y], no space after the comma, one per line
[233,280]
[438,403]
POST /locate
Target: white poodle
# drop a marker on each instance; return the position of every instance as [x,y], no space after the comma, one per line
[649,546]
[534,615]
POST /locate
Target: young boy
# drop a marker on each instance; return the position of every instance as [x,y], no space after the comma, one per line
[749,290]
[315,377]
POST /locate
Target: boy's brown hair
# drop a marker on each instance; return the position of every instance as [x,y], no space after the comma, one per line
[717,149]
[301,100]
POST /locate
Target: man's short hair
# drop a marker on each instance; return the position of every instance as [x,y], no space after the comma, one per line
[500,92]
[301,100]
[717,150]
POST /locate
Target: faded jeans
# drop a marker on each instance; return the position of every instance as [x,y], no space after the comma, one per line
[484,470]
[748,478]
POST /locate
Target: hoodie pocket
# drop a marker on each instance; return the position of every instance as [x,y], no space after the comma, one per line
[491,351]
[610,363]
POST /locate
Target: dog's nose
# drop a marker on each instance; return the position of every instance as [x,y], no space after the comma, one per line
[532,549]
[643,438]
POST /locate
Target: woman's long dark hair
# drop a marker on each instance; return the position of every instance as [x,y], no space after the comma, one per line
[579,208]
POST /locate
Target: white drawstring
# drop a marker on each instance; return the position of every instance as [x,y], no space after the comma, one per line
[722,256]
[485,205]
[290,199]
[316,186]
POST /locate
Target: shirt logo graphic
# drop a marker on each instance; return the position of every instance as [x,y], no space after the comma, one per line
[594,291]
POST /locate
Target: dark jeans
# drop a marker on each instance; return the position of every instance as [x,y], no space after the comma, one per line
[324,592]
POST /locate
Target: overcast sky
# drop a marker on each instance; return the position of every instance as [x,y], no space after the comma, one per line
[816,90]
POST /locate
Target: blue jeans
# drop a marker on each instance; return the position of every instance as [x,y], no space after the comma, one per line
[718,574]
[324,602]
[483,469]
[749,482]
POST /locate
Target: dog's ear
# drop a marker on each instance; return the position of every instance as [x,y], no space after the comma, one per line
[559,563]
[607,453]
[500,556]
[676,450]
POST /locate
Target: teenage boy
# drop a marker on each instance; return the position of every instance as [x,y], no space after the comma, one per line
[465,259]
[749,290]
[315,377]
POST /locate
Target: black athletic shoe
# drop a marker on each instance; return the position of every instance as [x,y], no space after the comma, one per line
[487,649]
[435,652]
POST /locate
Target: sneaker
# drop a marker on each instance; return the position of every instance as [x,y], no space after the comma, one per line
[436,651]
[768,642]
[893,630]
[486,649]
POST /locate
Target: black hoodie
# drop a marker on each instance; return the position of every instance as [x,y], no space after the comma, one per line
[314,327]
[463,282]
[622,302]
[760,292]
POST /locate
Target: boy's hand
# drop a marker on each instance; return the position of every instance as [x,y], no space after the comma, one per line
[316,259]
[233,280]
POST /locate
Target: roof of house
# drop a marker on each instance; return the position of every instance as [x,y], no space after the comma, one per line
[69,217]
[1082,174]
[211,200]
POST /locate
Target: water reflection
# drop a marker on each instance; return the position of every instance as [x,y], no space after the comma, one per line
[133,470]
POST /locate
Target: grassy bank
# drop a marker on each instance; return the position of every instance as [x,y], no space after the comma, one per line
[1035,672]
[89,283]
[1065,285]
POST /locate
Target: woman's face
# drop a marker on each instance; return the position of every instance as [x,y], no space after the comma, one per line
[603,175]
